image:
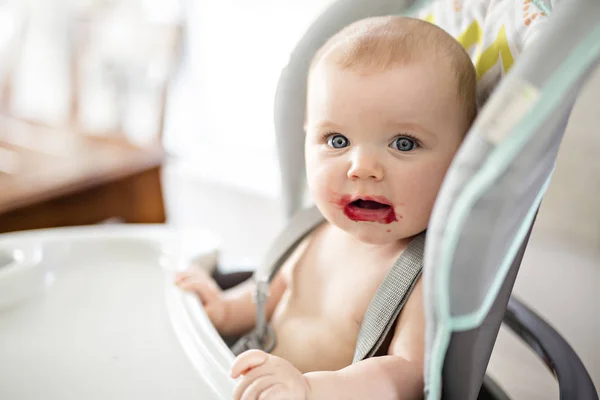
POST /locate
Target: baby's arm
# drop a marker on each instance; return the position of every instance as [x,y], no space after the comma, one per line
[399,375]
[240,309]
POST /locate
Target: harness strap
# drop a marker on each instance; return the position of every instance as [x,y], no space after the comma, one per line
[389,299]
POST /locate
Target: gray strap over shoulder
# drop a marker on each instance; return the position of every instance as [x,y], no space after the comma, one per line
[389,299]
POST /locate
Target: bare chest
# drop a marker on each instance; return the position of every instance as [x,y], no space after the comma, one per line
[329,290]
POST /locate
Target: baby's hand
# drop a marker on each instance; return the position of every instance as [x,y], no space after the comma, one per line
[198,281]
[267,377]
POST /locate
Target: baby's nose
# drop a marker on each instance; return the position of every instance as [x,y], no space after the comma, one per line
[365,167]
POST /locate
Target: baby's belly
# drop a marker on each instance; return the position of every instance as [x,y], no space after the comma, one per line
[314,342]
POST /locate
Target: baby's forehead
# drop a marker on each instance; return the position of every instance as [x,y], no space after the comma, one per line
[418,77]
[411,86]
[382,100]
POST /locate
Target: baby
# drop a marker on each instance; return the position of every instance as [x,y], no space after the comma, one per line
[389,102]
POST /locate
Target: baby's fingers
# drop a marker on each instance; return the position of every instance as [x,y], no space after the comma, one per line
[182,276]
[204,288]
[249,389]
[190,274]
[246,361]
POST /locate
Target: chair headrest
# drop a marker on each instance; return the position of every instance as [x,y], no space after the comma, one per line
[493,32]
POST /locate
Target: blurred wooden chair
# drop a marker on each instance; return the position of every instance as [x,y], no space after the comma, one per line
[62,176]
[57,178]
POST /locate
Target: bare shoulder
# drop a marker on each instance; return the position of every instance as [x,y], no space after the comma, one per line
[408,340]
[294,258]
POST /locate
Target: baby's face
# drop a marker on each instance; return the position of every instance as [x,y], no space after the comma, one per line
[378,146]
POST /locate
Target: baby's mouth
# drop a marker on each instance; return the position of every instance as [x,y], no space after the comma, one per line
[369,204]
[371,209]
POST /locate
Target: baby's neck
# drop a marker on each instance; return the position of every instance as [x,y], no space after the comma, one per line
[385,250]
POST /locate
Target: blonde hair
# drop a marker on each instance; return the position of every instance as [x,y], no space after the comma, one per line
[379,43]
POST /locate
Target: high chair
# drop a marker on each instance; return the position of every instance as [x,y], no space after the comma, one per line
[93,311]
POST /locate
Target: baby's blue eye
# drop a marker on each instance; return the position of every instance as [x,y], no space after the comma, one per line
[338,141]
[404,144]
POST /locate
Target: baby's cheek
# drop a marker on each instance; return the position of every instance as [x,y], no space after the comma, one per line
[420,197]
[320,182]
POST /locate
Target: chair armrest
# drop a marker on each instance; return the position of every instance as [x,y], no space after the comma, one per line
[573,379]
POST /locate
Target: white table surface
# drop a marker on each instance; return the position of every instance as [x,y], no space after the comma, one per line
[91,313]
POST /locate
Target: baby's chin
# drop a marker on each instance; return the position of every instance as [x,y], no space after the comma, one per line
[375,239]
[372,232]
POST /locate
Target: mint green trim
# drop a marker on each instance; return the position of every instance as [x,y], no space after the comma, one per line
[474,319]
[559,82]
[415,7]
[438,351]
[540,4]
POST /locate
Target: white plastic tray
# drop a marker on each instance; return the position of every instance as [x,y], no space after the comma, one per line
[92,313]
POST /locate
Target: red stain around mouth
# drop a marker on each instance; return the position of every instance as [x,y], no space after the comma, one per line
[384,215]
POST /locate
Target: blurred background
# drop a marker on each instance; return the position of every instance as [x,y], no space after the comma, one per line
[152,111]
[96,94]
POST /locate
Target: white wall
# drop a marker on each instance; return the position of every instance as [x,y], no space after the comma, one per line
[220,116]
